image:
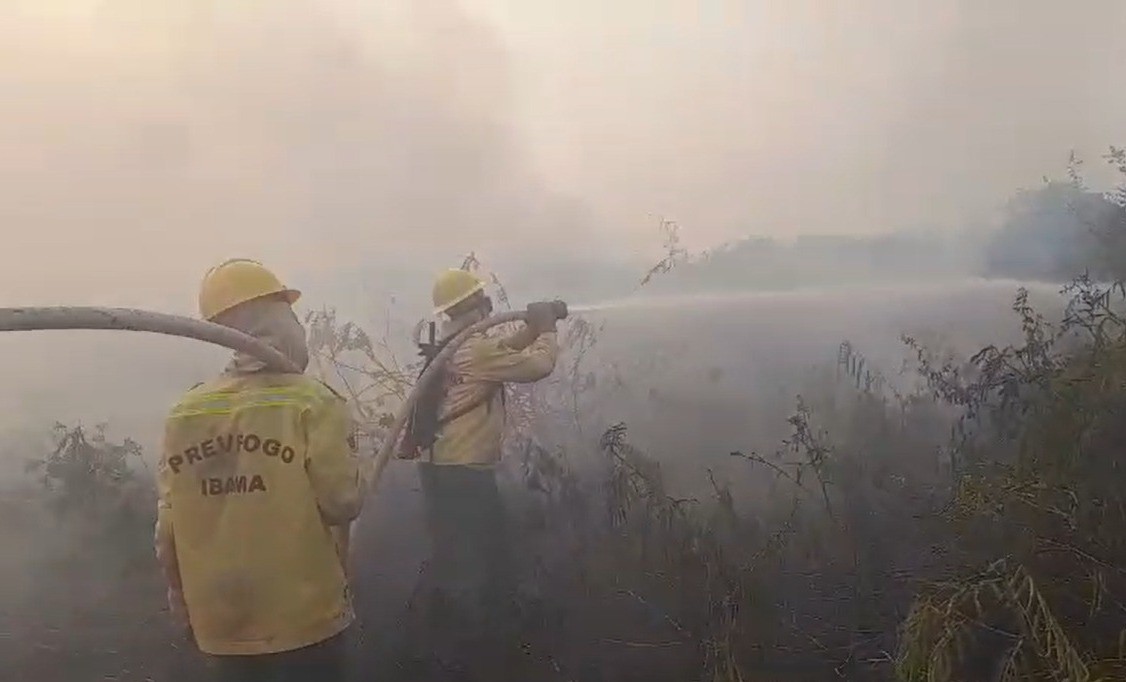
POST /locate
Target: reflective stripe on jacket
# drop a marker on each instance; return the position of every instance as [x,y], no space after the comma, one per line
[256,472]
[477,372]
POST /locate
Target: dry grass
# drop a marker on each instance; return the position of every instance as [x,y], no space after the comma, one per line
[961,525]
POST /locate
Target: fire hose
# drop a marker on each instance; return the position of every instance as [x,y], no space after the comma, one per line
[127,319]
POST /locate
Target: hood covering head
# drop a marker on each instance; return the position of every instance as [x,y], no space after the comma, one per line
[273,321]
[455,325]
[470,315]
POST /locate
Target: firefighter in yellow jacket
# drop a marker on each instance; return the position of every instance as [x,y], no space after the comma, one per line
[469,574]
[257,481]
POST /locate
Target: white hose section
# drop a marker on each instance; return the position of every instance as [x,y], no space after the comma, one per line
[128,319]
[392,440]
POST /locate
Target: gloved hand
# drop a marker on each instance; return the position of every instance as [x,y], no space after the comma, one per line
[542,316]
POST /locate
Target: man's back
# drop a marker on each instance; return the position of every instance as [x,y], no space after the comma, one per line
[256,468]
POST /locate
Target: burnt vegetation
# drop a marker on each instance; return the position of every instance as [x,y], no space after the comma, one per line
[959,520]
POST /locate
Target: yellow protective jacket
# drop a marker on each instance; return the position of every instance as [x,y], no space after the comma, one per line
[476,375]
[256,476]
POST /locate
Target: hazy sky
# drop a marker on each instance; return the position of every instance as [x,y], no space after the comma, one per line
[143,140]
[811,115]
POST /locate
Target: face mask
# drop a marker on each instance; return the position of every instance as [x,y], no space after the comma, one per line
[273,322]
[293,340]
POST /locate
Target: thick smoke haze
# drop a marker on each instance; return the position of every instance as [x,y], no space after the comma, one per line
[812,116]
[359,146]
[148,140]
[142,141]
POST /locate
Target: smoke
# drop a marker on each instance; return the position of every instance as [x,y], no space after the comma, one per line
[142,141]
[817,117]
[341,140]
[145,141]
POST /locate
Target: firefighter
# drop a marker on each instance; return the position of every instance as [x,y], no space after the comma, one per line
[456,432]
[258,481]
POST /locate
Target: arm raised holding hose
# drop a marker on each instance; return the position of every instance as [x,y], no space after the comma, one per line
[457,428]
[540,318]
[526,356]
[467,357]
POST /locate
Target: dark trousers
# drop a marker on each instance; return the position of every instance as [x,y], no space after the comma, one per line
[470,569]
[323,662]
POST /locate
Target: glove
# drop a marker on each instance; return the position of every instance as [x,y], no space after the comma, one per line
[542,316]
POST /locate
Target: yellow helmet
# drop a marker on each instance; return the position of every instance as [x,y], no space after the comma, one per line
[453,287]
[237,281]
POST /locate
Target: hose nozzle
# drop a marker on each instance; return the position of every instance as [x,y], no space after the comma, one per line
[557,309]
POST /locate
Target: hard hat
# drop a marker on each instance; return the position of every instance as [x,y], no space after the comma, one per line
[237,281]
[453,287]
